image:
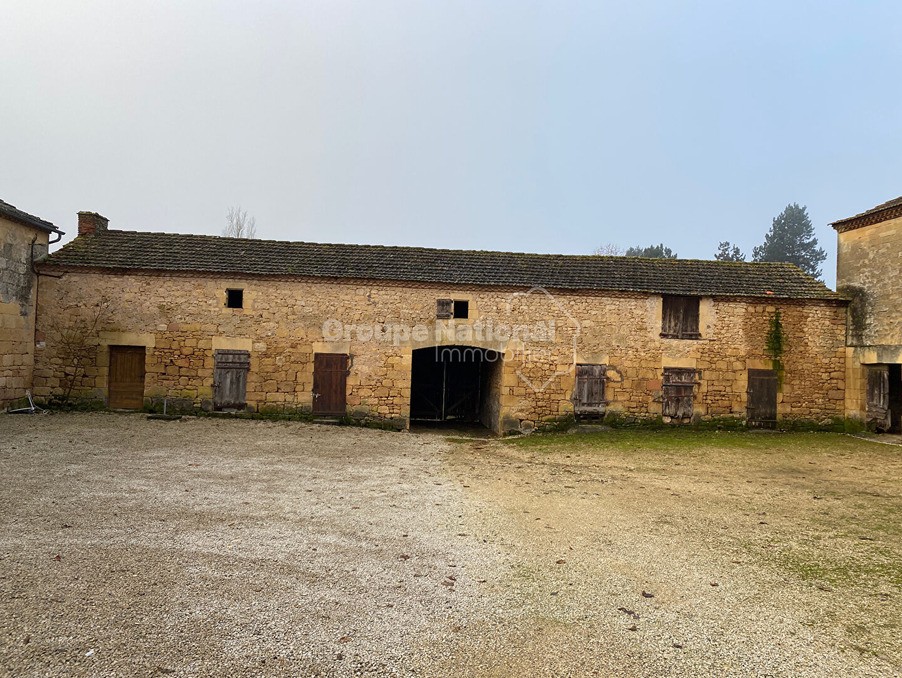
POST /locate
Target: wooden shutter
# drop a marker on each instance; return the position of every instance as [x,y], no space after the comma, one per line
[678,392]
[588,391]
[230,379]
[444,308]
[679,318]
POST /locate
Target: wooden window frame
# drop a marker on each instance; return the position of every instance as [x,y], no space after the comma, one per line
[680,316]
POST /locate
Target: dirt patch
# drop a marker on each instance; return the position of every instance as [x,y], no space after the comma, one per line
[202,547]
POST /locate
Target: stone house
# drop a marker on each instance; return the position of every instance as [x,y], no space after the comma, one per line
[869,273]
[394,334]
[24,238]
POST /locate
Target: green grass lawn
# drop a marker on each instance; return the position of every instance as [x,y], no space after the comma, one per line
[691,440]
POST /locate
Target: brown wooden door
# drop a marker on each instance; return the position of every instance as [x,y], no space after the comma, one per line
[330,378]
[761,410]
[230,370]
[125,390]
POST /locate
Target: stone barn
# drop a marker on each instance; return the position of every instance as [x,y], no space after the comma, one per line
[24,239]
[869,273]
[513,341]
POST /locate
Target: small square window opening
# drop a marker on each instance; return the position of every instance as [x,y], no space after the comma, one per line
[452,308]
[234,298]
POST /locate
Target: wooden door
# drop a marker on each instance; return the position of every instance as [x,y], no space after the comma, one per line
[588,391]
[230,379]
[761,410]
[125,389]
[878,404]
[330,378]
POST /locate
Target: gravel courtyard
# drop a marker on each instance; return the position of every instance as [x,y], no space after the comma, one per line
[131,547]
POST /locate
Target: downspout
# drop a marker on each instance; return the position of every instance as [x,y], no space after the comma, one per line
[34,269]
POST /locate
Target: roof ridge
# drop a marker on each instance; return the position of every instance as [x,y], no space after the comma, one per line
[424,248]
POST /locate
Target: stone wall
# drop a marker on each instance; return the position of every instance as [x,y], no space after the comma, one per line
[869,272]
[183,319]
[17,304]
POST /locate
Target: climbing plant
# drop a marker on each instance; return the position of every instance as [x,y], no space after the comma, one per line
[776,342]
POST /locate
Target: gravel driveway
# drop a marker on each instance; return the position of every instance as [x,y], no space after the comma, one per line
[225,547]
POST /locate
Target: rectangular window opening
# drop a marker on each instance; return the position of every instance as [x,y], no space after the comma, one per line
[452,308]
[679,317]
[234,298]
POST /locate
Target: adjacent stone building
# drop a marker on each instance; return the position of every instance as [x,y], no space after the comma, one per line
[394,334]
[24,238]
[869,273]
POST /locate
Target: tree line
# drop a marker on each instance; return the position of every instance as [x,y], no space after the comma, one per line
[790,239]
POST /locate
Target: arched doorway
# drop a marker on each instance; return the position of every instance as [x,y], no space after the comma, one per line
[456,383]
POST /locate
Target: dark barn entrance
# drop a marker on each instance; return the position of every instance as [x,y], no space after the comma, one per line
[895,398]
[455,383]
[884,398]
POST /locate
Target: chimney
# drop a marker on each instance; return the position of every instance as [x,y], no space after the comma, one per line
[91,222]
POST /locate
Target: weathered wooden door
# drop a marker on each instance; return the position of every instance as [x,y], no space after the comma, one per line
[878,414]
[125,389]
[330,378]
[230,379]
[761,410]
[588,391]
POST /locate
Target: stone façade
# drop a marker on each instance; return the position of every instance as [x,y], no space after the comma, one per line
[181,318]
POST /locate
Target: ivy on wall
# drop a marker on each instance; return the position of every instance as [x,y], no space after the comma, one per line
[776,343]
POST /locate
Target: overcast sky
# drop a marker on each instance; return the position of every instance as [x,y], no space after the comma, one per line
[530,126]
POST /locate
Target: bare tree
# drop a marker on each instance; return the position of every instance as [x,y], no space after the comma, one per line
[609,249]
[74,331]
[239,225]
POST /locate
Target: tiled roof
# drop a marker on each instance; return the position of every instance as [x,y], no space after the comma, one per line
[8,211]
[130,250]
[891,209]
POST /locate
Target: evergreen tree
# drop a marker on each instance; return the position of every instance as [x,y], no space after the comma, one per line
[791,239]
[652,252]
[726,251]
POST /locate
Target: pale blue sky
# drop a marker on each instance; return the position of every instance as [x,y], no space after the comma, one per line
[546,127]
